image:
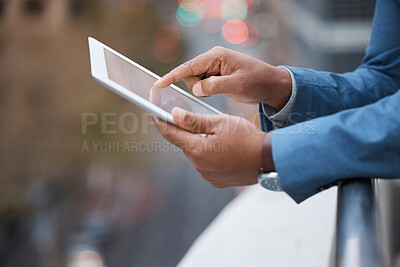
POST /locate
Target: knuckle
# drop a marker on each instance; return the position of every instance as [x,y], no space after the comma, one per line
[212,84]
[218,49]
[218,185]
[188,65]
[186,117]
[192,122]
[207,178]
[189,120]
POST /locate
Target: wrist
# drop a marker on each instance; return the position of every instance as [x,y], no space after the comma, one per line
[281,89]
[256,150]
[267,159]
[268,178]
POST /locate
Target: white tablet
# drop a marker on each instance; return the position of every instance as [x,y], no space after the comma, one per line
[135,83]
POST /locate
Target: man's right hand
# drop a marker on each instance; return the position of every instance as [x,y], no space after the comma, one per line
[234,74]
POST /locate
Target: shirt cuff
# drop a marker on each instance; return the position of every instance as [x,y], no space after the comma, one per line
[281,117]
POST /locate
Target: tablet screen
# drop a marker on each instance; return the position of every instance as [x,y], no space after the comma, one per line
[141,83]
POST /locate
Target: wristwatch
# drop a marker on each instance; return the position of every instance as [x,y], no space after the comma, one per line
[268,180]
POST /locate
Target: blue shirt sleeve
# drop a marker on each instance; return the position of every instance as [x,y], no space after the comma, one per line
[356,133]
[322,93]
[361,142]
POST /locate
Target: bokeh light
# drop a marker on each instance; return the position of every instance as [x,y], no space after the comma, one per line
[167,50]
[190,13]
[253,35]
[251,8]
[132,6]
[167,31]
[266,23]
[233,9]
[235,31]
[212,9]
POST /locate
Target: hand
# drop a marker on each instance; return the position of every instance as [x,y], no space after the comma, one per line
[228,155]
[244,78]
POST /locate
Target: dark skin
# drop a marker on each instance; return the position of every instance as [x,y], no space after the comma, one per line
[229,153]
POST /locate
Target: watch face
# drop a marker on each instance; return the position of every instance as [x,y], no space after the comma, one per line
[270,181]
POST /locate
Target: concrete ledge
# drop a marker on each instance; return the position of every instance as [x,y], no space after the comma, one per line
[263,228]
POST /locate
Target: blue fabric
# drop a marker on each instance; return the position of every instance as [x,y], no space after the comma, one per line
[356,132]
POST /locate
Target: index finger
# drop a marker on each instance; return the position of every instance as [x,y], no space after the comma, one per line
[195,66]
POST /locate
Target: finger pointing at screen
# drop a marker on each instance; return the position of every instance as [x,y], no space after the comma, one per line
[244,78]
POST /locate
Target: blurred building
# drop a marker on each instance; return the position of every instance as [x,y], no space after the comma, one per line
[50,12]
[327,34]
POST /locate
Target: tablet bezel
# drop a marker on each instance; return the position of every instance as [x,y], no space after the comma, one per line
[100,74]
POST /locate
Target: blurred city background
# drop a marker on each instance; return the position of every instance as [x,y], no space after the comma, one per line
[64,205]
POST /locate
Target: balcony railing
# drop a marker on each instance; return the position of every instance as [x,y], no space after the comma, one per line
[358,241]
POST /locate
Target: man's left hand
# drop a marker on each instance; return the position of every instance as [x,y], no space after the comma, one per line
[226,150]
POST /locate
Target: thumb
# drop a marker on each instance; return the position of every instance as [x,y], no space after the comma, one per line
[213,85]
[195,123]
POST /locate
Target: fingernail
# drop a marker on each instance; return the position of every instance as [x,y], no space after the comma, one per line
[197,90]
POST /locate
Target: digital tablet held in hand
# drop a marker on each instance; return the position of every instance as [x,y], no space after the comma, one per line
[135,83]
